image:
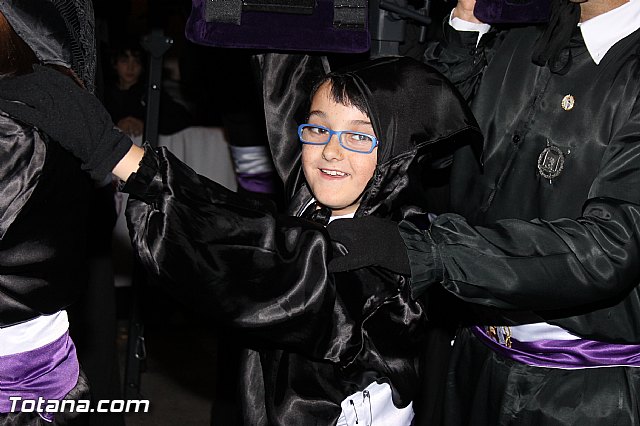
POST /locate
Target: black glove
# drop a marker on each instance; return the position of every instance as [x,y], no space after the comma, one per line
[55,104]
[370,241]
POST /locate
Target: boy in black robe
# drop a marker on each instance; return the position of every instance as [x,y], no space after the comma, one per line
[327,346]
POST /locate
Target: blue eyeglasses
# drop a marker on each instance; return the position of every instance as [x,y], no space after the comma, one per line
[313,134]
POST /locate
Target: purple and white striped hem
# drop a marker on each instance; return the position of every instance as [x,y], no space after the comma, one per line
[49,372]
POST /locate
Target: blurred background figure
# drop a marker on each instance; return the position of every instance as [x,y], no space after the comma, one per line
[125,93]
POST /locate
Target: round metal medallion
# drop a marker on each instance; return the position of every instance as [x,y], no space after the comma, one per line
[551,162]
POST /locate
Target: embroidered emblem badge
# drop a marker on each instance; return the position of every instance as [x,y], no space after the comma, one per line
[501,334]
[568,102]
[551,161]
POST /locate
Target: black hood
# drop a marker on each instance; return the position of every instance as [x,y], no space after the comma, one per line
[410,104]
[416,114]
[60,32]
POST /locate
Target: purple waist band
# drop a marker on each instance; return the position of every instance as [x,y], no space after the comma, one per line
[566,354]
[49,372]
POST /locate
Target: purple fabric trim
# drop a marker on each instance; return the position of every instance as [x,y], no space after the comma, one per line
[505,12]
[257,182]
[49,372]
[281,31]
[567,354]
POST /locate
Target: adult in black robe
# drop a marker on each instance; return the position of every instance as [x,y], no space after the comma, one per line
[546,229]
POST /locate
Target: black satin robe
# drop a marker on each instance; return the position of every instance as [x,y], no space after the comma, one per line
[43,198]
[315,337]
[320,337]
[565,250]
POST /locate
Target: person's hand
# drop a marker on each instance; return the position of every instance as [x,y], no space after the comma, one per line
[55,104]
[464,11]
[370,241]
[131,126]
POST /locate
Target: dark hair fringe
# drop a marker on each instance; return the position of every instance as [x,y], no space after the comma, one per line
[343,91]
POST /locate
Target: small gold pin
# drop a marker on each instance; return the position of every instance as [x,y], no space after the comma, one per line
[568,102]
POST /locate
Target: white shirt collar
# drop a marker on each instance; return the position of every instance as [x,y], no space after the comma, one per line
[342,216]
[604,31]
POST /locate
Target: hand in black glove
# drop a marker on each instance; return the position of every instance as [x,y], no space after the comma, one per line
[55,104]
[370,241]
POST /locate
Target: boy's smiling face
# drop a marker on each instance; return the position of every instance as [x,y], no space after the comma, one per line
[336,176]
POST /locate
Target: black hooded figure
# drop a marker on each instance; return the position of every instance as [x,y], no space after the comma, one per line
[325,346]
[317,339]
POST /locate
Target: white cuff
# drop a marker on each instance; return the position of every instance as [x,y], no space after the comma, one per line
[462,25]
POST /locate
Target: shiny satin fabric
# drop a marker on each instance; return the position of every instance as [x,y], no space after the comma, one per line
[287,81]
[535,395]
[566,354]
[563,249]
[314,337]
[42,218]
[48,372]
[80,392]
[523,247]
[327,329]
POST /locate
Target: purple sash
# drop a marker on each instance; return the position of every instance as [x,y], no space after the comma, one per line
[566,354]
[50,372]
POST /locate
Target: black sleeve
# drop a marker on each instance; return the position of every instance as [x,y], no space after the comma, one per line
[460,57]
[234,258]
[544,265]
